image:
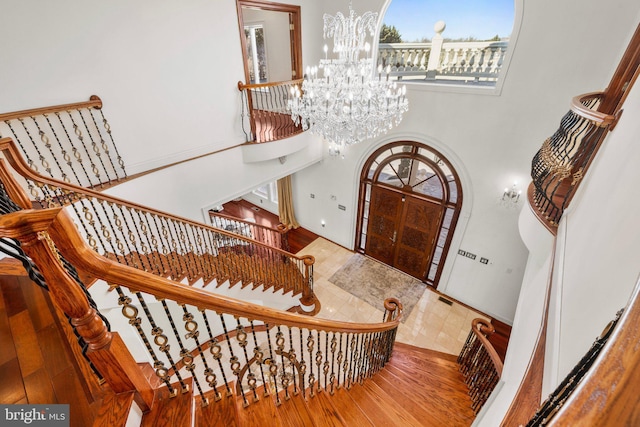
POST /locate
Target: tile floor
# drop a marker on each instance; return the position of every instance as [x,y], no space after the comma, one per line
[432,324]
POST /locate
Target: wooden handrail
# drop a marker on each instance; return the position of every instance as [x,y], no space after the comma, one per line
[93,102]
[481,328]
[13,156]
[60,226]
[598,118]
[242,86]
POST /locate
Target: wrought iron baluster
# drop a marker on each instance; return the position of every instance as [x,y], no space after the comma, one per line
[107,128]
[292,354]
[312,377]
[103,143]
[241,337]
[187,360]
[216,352]
[284,380]
[131,313]
[191,326]
[96,150]
[234,363]
[80,136]
[74,149]
[332,376]
[259,358]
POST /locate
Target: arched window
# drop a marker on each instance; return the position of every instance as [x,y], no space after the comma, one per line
[409,203]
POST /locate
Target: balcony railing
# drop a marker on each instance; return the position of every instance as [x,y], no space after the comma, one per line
[462,62]
[480,363]
[473,62]
[72,142]
[560,164]
[265,115]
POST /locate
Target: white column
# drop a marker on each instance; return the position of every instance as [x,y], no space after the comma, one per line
[436,47]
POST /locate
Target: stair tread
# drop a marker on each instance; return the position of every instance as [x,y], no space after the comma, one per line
[348,409]
[323,411]
[170,411]
[114,409]
[437,395]
[260,413]
[373,401]
[408,349]
[405,397]
[217,413]
[294,412]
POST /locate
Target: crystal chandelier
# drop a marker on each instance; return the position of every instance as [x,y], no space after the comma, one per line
[350,101]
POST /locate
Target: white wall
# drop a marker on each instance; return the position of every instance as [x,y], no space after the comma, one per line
[600,256]
[493,136]
[167,72]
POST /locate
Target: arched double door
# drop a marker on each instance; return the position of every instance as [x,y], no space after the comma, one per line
[410,199]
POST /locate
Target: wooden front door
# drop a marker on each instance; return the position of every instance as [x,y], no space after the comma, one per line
[402,230]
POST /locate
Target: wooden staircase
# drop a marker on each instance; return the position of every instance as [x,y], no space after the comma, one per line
[417,387]
[227,266]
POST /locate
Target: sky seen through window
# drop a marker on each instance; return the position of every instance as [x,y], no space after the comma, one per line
[480,19]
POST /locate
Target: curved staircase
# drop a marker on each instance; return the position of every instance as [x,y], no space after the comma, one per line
[417,387]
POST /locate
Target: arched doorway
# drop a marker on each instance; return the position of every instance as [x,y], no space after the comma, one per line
[409,202]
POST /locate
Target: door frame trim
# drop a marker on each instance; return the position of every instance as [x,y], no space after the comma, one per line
[461,210]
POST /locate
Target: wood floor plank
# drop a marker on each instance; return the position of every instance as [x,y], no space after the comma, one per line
[323,411]
[39,388]
[37,305]
[405,398]
[220,413]
[170,411]
[12,295]
[57,356]
[260,413]
[11,385]
[12,267]
[294,412]
[7,349]
[114,410]
[26,342]
[68,389]
[348,410]
[454,405]
[383,409]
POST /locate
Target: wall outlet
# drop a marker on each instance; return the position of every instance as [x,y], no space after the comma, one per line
[484,261]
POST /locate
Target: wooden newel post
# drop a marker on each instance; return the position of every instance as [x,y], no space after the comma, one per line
[308,296]
[106,350]
[393,309]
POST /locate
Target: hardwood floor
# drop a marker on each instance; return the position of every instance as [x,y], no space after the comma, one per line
[36,364]
[299,237]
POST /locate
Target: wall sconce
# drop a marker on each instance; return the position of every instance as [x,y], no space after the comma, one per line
[511,196]
[322,223]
